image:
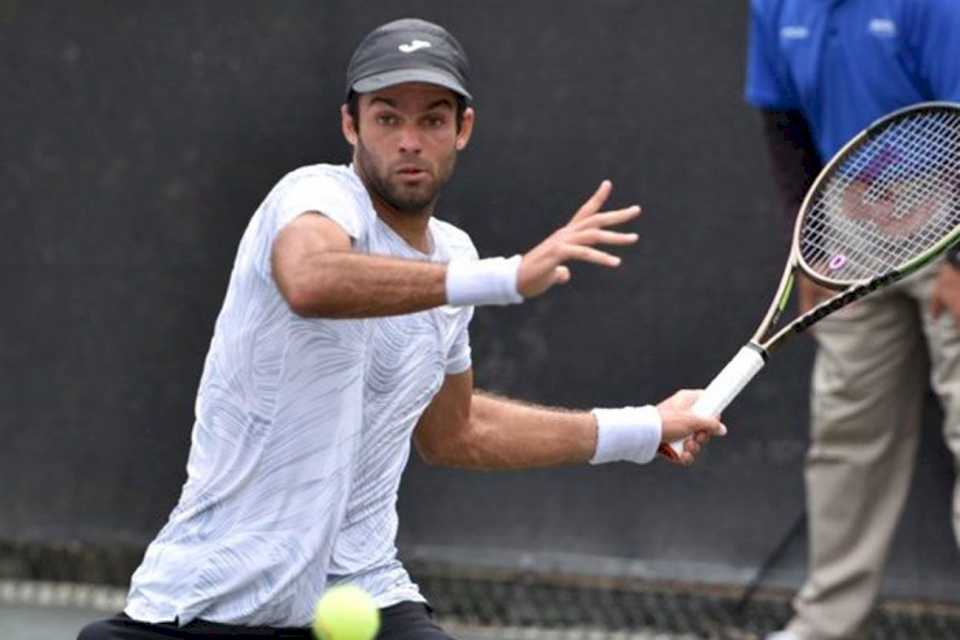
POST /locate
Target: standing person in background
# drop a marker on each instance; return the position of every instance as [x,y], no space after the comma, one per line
[342,338]
[820,71]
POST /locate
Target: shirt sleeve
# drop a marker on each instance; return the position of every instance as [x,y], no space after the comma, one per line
[327,194]
[459,355]
[324,193]
[767,86]
[938,40]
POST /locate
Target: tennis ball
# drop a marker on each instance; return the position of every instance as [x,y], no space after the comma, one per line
[346,612]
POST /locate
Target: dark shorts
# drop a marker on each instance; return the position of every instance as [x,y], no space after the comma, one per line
[404,621]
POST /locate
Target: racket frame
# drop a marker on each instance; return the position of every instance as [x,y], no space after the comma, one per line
[849,291]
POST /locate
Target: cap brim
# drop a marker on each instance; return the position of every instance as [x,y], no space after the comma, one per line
[390,78]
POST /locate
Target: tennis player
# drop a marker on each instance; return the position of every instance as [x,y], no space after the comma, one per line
[344,332]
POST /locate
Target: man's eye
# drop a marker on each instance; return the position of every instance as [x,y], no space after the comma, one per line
[387,119]
[436,121]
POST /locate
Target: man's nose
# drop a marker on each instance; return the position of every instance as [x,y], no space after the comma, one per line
[410,141]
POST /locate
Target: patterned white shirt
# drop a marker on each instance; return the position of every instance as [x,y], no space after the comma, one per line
[303,428]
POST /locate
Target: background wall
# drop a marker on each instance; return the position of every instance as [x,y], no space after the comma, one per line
[138,138]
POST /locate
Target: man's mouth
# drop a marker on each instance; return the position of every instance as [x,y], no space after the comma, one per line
[411,172]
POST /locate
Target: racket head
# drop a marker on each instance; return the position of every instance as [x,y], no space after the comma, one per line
[888,202]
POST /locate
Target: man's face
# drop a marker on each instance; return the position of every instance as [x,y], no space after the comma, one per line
[407,142]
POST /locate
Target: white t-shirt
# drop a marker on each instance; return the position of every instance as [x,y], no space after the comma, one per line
[303,428]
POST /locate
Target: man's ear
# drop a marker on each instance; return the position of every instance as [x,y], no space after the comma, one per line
[466,128]
[348,126]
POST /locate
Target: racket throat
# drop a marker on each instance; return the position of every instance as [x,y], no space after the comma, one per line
[849,296]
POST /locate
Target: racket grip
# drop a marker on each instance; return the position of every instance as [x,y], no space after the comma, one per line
[727,385]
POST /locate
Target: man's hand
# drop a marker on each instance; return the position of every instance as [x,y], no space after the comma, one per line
[810,294]
[544,265]
[946,293]
[680,423]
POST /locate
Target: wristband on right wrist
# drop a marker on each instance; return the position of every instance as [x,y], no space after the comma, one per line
[630,434]
[487,281]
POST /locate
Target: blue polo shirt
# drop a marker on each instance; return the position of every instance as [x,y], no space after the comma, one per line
[844,63]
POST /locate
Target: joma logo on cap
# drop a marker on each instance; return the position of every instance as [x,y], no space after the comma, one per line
[413,46]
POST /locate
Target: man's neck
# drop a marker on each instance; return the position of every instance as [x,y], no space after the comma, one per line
[409,225]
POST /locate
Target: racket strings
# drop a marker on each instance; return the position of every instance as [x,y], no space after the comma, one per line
[888,201]
[873,173]
[867,245]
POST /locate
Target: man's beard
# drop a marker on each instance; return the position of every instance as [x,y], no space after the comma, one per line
[403,199]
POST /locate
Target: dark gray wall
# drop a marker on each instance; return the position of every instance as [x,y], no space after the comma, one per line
[138,138]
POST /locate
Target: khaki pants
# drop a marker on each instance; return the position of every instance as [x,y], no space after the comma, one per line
[869,383]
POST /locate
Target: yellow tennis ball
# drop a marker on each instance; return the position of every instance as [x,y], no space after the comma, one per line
[346,613]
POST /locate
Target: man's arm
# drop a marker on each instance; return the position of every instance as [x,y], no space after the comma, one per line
[795,163]
[319,275]
[475,430]
[793,157]
[946,292]
[939,70]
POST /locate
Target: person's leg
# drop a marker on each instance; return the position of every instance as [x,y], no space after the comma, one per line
[943,340]
[866,406]
[409,621]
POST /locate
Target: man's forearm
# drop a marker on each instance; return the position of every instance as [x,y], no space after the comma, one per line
[507,434]
[343,284]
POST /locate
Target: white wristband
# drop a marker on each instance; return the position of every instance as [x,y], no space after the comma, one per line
[631,434]
[487,281]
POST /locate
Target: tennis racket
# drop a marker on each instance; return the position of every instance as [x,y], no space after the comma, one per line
[885,206]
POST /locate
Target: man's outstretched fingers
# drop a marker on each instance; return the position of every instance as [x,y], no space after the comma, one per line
[594,202]
[601,236]
[609,218]
[589,254]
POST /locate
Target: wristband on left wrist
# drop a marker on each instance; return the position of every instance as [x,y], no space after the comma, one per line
[481,282]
